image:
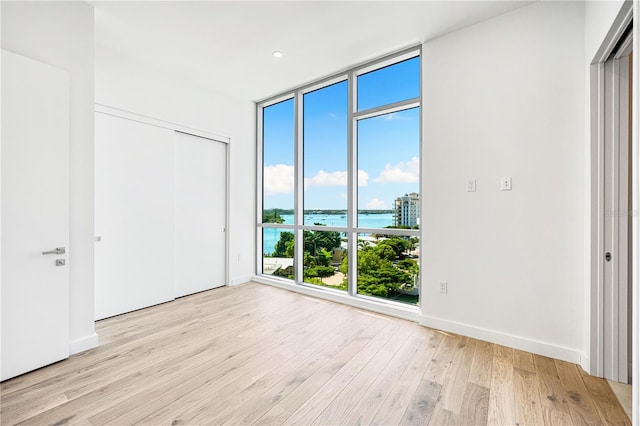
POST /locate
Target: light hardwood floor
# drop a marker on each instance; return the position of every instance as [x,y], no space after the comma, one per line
[257,354]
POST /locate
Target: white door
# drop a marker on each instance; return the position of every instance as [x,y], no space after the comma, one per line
[35,215]
[133,215]
[200,214]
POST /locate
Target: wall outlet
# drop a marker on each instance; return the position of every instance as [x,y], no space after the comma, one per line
[505,183]
[444,286]
[471,185]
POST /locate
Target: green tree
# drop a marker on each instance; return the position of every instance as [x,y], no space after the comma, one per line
[272,216]
[319,271]
[284,246]
[385,251]
[398,244]
[409,265]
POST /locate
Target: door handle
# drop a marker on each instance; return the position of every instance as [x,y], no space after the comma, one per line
[57,250]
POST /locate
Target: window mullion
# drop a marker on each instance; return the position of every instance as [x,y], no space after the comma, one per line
[352,193]
[260,187]
[298,211]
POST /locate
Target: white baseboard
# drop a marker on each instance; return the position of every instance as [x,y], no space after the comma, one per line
[240,280]
[585,363]
[83,344]
[512,341]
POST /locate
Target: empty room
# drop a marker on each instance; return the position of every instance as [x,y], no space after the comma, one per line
[319,212]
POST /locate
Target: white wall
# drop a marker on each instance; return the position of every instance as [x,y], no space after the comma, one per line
[61,34]
[126,84]
[506,98]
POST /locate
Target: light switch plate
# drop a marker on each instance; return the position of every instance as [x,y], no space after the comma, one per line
[471,185]
[505,183]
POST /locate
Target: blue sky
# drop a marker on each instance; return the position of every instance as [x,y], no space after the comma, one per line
[388,145]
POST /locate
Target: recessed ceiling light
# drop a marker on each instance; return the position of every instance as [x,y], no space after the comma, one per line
[277,54]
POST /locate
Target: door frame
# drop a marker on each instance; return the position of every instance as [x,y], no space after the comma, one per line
[595,364]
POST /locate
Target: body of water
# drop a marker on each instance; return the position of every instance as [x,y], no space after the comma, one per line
[270,236]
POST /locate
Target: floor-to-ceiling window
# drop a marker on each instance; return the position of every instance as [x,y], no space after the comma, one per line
[340,182]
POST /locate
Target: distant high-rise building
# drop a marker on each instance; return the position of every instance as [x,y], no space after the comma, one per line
[407,210]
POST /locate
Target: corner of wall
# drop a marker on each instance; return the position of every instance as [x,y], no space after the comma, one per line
[83,344]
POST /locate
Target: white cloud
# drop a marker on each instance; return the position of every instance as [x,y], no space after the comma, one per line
[408,172]
[338,178]
[363,178]
[278,179]
[376,203]
[323,178]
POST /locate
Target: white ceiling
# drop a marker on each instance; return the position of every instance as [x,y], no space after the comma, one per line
[228,45]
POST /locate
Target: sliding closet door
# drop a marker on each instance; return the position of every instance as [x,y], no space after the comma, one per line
[200,213]
[134,215]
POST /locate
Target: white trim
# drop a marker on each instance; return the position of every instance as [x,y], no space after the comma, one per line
[584,361]
[83,344]
[635,148]
[597,119]
[227,213]
[505,339]
[408,313]
[240,280]
[152,121]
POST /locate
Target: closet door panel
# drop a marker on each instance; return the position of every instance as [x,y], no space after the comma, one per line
[200,214]
[134,217]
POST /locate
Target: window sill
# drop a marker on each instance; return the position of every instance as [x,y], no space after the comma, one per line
[395,309]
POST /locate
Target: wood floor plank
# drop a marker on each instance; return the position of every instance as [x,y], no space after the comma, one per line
[442,417]
[424,402]
[580,405]
[365,409]
[480,372]
[555,408]
[439,365]
[313,407]
[391,410]
[118,393]
[295,400]
[44,380]
[451,397]
[528,409]
[256,354]
[545,365]
[475,406]
[350,394]
[606,404]
[523,360]
[261,351]
[85,373]
[501,403]
[271,386]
